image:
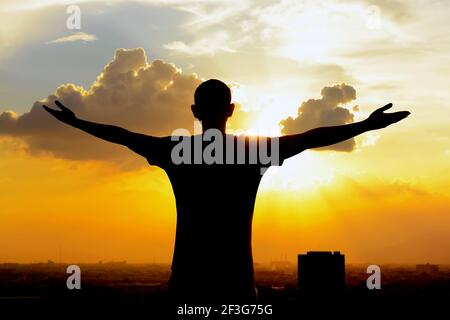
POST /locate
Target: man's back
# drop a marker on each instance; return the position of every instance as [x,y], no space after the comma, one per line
[213,256]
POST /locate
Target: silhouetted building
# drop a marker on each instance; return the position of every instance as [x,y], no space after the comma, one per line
[428,268]
[321,272]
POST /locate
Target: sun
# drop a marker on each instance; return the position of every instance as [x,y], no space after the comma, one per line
[306,171]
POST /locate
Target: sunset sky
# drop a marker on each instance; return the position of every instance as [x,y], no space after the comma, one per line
[67,196]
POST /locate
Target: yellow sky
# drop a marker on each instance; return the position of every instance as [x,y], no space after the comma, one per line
[386,202]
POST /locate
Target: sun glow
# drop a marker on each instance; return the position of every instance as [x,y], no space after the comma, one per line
[306,171]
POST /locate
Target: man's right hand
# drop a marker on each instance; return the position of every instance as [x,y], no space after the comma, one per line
[64,115]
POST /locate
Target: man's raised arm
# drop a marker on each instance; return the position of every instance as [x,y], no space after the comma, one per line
[320,137]
[139,143]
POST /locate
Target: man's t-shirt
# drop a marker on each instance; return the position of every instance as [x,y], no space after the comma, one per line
[215,199]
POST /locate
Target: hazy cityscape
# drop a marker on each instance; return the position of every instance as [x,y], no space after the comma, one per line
[120,284]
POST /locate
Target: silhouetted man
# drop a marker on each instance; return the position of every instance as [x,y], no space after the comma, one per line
[212,260]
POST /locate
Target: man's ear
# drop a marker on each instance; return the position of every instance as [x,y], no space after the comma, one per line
[230,110]
[195,111]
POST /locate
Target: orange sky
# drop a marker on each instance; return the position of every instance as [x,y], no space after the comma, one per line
[62,193]
[91,211]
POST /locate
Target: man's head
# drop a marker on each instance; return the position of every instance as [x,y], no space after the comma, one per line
[212,103]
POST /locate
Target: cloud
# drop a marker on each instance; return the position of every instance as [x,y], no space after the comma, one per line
[152,98]
[213,27]
[326,111]
[396,10]
[216,42]
[78,36]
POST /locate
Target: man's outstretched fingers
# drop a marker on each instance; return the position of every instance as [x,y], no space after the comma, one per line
[403,114]
[47,108]
[60,105]
[386,107]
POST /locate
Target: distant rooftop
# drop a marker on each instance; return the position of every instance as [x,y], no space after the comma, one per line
[321,253]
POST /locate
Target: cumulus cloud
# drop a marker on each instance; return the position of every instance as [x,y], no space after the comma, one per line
[77,36]
[326,111]
[152,98]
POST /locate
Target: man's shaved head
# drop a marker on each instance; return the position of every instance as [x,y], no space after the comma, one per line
[212,93]
[212,104]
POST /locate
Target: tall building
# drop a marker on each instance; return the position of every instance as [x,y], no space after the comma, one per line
[321,272]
